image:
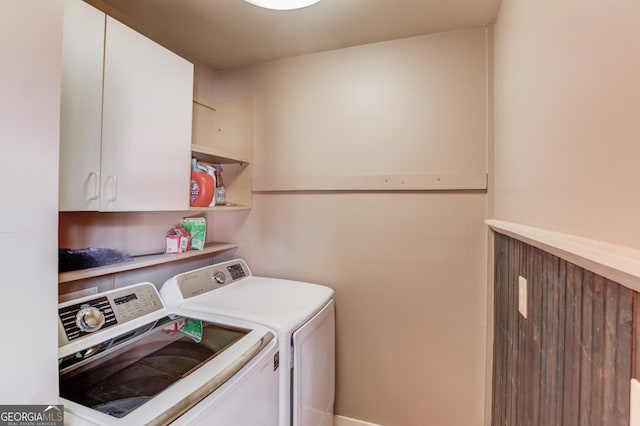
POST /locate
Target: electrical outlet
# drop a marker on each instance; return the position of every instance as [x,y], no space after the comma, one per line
[522,296]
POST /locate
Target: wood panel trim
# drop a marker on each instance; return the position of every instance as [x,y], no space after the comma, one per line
[421,182]
[570,362]
[617,263]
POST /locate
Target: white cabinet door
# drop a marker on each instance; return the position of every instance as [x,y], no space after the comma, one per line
[81,106]
[146,130]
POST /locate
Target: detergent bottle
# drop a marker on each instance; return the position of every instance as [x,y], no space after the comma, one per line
[202,186]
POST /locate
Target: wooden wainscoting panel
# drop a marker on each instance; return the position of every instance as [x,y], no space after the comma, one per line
[624,348]
[570,362]
[500,335]
[512,333]
[560,272]
[572,350]
[521,377]
[635,358]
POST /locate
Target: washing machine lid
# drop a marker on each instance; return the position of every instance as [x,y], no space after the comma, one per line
[161,373]
[139,369]
[280,304]
[150,360]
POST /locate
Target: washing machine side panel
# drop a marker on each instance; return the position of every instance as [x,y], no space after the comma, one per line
[249,398]
[314,370]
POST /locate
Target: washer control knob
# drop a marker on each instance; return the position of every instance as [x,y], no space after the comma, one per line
[219,277]
[89,319]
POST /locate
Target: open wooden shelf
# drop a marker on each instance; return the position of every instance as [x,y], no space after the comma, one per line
[143,262]
[230,207]
[215,156]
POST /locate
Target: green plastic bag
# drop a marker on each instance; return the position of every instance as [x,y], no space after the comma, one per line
[197,228]
[193,329]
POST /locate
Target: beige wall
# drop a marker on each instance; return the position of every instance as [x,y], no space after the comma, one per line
[567,96]
[31,52]
[408,268]
[408,271]
[409,106]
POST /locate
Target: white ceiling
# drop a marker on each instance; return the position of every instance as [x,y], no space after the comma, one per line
[231,33]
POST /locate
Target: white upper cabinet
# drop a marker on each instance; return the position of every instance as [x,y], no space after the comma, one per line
[81,106]
[146,129]
[145,100]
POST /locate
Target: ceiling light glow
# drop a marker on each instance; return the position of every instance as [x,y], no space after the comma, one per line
[282,4]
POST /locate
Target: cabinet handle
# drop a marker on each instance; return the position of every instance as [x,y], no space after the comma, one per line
[114,188]
[96,186]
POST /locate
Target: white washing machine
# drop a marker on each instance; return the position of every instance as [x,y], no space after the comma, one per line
[301,313]
[126,359]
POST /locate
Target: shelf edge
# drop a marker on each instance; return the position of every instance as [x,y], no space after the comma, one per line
[204,103]
[220,208]
[143,262]
[205,150]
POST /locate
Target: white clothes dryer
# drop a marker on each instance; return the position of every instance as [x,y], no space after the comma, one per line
[302,314]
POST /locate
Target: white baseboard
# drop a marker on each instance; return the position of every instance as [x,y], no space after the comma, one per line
[348,421]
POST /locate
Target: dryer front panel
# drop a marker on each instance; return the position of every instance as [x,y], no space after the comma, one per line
[314,370]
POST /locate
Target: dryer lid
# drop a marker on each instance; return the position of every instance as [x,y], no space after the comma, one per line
[281,304]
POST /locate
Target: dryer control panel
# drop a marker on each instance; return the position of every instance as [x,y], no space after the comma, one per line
[210,278]
[78,318]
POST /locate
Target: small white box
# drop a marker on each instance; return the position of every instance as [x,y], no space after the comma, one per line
[177,240]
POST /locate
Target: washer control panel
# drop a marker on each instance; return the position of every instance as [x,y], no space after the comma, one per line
[87,315]
[210,278]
